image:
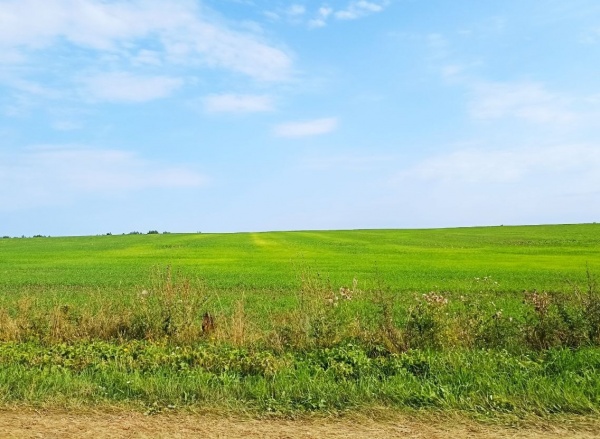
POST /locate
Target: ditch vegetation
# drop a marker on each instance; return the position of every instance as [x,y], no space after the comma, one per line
[176,343]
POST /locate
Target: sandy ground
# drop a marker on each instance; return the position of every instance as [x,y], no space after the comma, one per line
[98,425]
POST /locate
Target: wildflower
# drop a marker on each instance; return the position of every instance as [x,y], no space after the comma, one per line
[434,298]
[346,293]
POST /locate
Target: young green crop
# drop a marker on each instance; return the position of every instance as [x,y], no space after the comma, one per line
[519,258]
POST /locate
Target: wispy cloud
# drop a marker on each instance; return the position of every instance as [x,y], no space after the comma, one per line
[234,103]
[135,37]
[293,13]
[529,101]
[87,23]
[126,87]
[306,128]
[361,8]
[478,165]
[347,162]
[44,175]
[25,94]
[526,185]
[320,17]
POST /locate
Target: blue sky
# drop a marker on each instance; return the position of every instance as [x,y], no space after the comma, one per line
[235,115]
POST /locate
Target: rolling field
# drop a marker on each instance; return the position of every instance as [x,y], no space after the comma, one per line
[497,321]
[542,257]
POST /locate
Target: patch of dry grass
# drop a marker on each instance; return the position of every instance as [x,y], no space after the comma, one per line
[27,423]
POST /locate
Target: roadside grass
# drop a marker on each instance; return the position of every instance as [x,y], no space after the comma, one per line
[483,383]
[292,339]
[325,355]
[181,311]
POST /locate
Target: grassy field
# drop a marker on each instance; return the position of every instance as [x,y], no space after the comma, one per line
[487,321]
[542,257]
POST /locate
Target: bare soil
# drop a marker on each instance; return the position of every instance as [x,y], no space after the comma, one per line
[48,424]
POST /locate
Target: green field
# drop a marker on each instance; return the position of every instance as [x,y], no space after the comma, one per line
[488,321]
[542,257]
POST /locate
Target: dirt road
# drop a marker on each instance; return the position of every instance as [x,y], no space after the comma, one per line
[25,424]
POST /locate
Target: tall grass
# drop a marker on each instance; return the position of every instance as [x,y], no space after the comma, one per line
[337,348]
[175,309]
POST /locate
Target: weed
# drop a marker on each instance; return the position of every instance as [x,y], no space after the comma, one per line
[427,325]
[387,332]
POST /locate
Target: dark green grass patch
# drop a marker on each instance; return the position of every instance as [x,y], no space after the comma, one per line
[484,382]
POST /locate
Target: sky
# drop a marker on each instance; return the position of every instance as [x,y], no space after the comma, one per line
[254,115]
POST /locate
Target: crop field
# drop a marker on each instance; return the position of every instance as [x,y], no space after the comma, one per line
[492,322]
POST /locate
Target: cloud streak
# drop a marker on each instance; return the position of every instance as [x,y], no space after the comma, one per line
[126,87]
[308,128]
[358,9]
[528,101]
[509,165]
[45,175]
[234,103]
[298,14]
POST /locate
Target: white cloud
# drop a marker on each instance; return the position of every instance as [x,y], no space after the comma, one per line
[65,125]
[298,14]
[321,18]
[292,13]
[183,33]
[529,101]
[34,89]
[86,23]
[48,174]
[234,51]
[296,9]
[125,87]
[147,58]
[451,71]
[306,128]
[528,185]
[347,162]
[24,96]
[233,103]
[358,9]
[509,165]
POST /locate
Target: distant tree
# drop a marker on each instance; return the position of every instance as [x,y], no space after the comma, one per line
[153,232]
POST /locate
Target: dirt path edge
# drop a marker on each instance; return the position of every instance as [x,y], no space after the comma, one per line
[121,424]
